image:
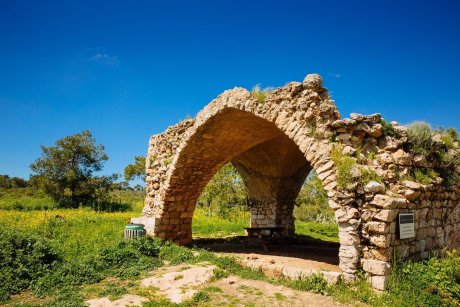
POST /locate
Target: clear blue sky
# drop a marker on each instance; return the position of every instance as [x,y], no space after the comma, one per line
[128,69]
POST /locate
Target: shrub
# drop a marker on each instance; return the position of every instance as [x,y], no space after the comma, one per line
[259,94]
[313,283]
[344,165]
[448,136]
[130,258]
[28,262]
[68,274]
[434,282]
[387,128]
[200,296]
[419,138]
[175,254]
[453,134]
[448,140]
[423,176]
[24,259]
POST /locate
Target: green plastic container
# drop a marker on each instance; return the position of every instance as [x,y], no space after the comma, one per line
[135,226]
[133,231]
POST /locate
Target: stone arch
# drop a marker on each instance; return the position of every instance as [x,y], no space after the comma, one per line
[271,165]
[274,143]
[274,140]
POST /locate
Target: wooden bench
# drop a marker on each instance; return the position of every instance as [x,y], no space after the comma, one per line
[258,232]
[259,235]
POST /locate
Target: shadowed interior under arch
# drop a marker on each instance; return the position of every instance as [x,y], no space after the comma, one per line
[271,165]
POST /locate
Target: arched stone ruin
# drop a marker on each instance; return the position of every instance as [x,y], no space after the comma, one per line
[274,143]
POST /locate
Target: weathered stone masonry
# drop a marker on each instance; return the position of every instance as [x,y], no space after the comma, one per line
[274,144]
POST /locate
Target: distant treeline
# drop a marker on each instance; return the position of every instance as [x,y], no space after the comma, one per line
[7,182]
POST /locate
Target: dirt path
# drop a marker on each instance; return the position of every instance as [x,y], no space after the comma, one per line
[322,256]
[179,283]
[291,261]
[242,292]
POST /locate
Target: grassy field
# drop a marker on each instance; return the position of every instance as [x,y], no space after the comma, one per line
[205,227]
[25,199]
[29,208]
[61,257]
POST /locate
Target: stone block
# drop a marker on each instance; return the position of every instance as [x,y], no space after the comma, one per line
[379,240]
[349,251]
[377,227]
[379,282]
[346,214]
[374,187]
[388,202]
[349,238]
[376,267]
[386,215]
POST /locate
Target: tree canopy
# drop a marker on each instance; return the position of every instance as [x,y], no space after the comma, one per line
[135,170]
[224,193]
[15,182]
[65,170]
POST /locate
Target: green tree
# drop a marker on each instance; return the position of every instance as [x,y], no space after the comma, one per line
[65,171]
[5,181]
[312,201]
[224,193]
[135,170]
[15,182]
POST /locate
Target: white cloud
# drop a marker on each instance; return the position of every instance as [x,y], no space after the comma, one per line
[335,75]
[105,58]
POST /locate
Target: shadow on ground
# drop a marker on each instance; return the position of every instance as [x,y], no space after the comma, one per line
[300,247]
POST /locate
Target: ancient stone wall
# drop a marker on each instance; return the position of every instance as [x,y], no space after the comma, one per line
[274,142]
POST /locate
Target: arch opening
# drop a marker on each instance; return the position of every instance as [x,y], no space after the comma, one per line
[271,165]
[272,194]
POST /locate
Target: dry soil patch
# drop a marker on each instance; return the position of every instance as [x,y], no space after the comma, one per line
[126,300]
[180,285]
[242,292]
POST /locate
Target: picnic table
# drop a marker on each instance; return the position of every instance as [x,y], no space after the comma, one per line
[261,232]
[261,235]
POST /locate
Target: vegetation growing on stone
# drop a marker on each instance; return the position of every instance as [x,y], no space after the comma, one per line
[419,138]
[344,166]
[368,175]
[353,170]
[440,148]
[387,128]
[423,176]
[259,94]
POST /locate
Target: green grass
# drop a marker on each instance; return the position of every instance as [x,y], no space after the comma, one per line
[113,291]
[205,226]
[325,232]
[31,199]
[429,283]
[75,232]
[21,199]
[59,253]
[214,227]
